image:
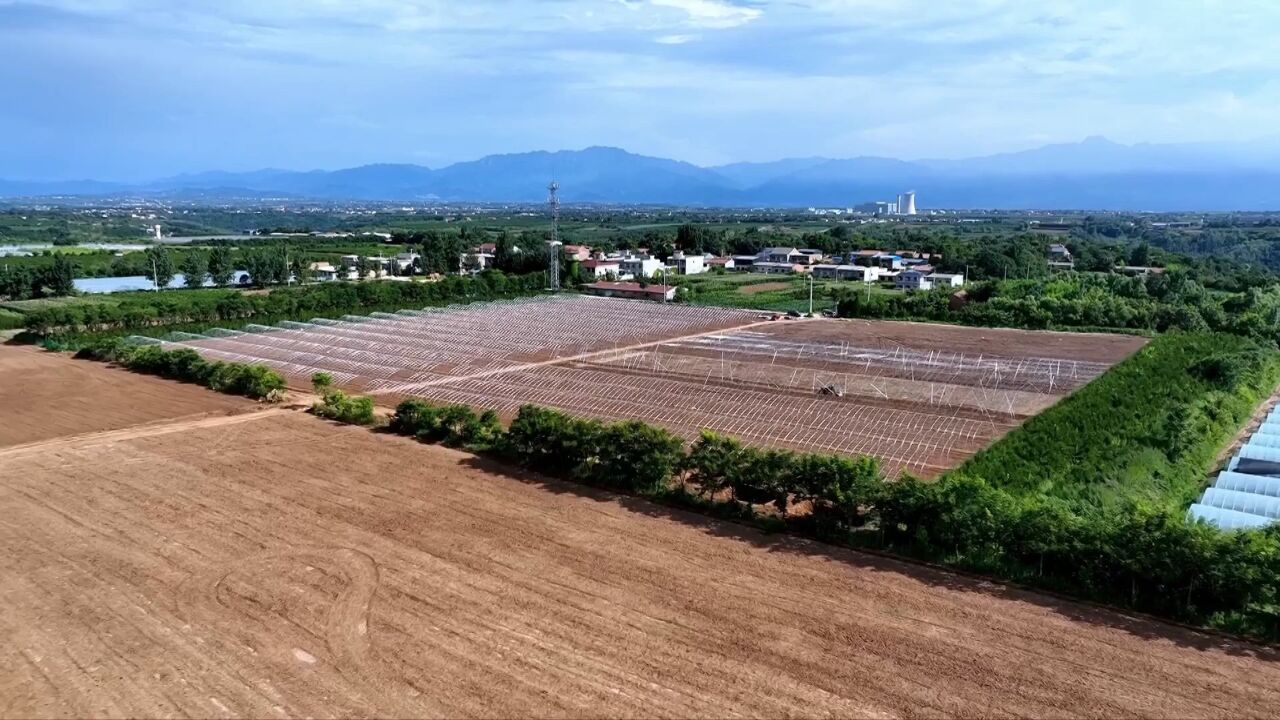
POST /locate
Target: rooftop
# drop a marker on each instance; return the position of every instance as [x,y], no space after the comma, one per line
[631,287]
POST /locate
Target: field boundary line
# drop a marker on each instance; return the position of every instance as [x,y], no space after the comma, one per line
[408,388]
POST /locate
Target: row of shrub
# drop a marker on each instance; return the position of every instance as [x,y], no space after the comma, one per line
[453,425]
[1135,555]
[254,381]
[227,308]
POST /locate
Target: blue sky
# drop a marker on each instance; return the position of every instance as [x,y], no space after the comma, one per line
[136,89]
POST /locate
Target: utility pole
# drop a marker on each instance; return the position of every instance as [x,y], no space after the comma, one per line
[155,277]
[811,293]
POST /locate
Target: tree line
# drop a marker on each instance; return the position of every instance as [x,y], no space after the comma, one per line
[184,364]
[21,282]
[225,308]
[1153,303]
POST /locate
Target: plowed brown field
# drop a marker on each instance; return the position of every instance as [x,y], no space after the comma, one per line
[273,565]
[46,395]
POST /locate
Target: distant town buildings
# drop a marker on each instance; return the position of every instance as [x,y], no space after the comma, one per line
[913,279]
[690,264]
[598,268]
[903,204]
[861,273]
[577,252]
[907,203]
[640,266]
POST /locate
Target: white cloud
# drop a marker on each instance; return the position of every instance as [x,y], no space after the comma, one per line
[716,14]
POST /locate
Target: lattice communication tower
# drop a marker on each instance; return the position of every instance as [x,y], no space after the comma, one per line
[553,250]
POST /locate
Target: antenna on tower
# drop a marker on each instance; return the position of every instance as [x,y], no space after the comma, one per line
[553,250]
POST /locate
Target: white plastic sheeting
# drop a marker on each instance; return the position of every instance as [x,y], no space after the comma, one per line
[1263,505]
[1258,452]
[1265,440]
[1227,519]
[1243,482]
[1247,493]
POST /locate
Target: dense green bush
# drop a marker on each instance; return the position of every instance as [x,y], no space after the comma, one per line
[455,425]
[354,410]
[628,456]
[255,381]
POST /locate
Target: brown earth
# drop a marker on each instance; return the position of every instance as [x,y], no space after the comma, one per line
[46,395]
[763,287]
[274,565]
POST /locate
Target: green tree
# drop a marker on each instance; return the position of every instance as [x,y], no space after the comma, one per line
[300,268]
[221,265]
[17,283]
[1140,255]
[159,266]
[194,266]
[321,382]
[59,279]
[504,253]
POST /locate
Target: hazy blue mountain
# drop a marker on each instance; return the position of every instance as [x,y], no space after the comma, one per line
[367,182]
[596,174]
[1099,156]
[1093,174]
[744,175]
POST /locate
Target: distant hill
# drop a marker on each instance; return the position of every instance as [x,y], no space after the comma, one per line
[1093,174]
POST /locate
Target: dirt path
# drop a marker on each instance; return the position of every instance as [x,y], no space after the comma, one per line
[159,427]
[282,566]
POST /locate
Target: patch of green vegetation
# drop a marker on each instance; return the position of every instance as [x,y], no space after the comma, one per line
[30,306]
[10,320]
[255,381]
[1148,430]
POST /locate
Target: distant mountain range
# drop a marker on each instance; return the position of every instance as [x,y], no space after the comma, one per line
[1095,174]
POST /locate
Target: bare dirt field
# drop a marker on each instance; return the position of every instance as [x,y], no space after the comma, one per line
[46,395]
[763,287]
[274,565]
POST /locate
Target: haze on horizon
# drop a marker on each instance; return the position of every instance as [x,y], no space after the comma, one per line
[130,90]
